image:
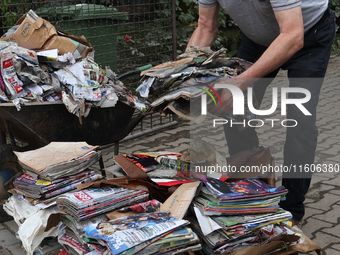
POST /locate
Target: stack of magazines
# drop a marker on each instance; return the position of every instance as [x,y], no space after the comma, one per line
[242,197]
[145,233]
[92,202]
[43,189]
[238,215]
[75,229]
[58,159]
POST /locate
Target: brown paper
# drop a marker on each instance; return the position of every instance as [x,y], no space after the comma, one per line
[116,215]
[52,221]
[65,43]
[267,246]
[42,35]
[133,171]
[31,35]
[178,203]
[255,157]
[307,246]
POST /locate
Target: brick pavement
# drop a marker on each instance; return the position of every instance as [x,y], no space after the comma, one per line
[323,199]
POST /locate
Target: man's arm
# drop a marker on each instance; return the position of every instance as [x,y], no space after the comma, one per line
[207,27]
[283,47]
[289,41]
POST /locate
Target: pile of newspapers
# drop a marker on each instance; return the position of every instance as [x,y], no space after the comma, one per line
[177,86]
[58,159]
[55,169]
[49,172]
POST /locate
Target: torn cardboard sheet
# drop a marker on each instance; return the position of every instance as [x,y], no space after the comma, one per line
[58,159]
[178,203]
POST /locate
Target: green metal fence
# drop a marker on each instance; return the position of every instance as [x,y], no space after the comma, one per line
[125,34]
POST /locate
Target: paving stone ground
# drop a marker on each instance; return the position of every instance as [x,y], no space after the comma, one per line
[321,222]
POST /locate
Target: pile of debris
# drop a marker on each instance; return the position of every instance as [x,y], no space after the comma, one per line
[177,86]
[157,202]
[47,65]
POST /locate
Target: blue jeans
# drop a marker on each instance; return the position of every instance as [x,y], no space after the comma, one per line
[300,145]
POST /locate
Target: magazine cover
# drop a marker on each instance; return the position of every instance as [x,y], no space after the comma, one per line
[242,188]
[124,233]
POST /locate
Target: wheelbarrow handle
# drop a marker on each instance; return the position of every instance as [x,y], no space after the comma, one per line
[133,72]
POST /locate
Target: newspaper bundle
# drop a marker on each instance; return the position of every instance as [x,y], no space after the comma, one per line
[58,159]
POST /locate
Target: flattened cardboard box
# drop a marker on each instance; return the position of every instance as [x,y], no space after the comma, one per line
[38,34]
[32,33]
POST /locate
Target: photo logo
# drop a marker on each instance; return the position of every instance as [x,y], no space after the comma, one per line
[209,93]
[238,100]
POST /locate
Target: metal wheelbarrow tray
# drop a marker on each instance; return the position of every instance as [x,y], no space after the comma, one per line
[41,123]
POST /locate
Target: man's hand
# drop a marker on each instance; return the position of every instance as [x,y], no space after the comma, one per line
[226,95]
[227,102]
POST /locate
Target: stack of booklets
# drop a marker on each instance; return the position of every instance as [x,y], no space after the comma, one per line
[44,189]
[145,233]
[242,197]
[58,159]
[92,202]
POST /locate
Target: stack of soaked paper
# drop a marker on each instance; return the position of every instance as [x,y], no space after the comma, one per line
[58,159]
[144,233]
[247,196]
[44,189]
[92,202]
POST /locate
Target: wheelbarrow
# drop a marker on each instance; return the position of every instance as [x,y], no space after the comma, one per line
[38,124]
